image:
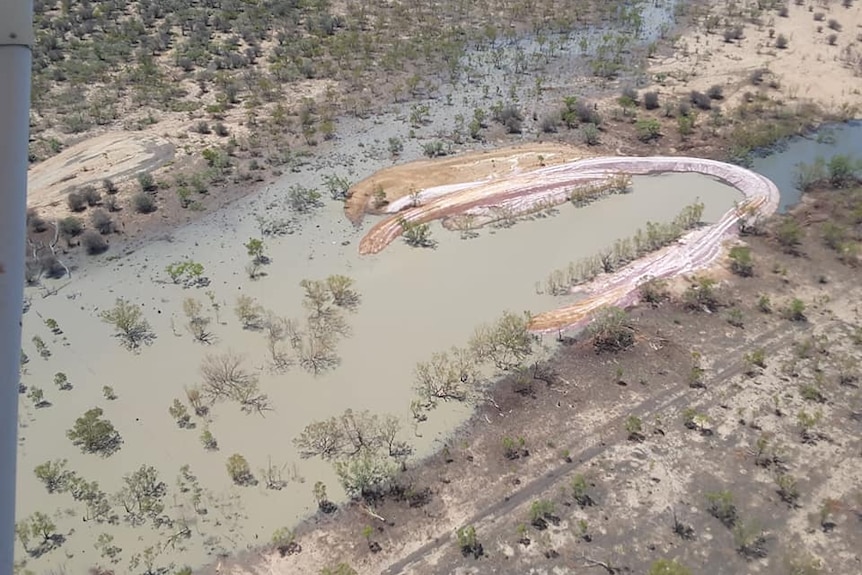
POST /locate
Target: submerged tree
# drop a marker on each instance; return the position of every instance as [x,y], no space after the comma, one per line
[129,323]
[41,528]
[239,471]
[343,294]
[417,235]
[249,312]
[197,324]
[277,330]
[506,343]
[93,434]
[447,375]
[225,378]
[54,475]
[142,495]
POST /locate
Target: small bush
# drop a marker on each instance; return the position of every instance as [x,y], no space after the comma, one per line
[202,127]
[102,221]
[648,129]
[668,567]
[832,39]
[147,182]
[715,92]
[735,33]
[91,195]
[35,222]
[784,11]
[514,125]
[509,116]
[702,294]
[781,42]
[51,266]
[611,330]
[110,187]
[434,149]
[819,16]
[789,235]
[93,242]
[794,310]
[842,171]
[654,291]
[587,114]
[590,134]
[757,76]
[71,227]
[221,130]
[76,201]
[834,235]
[741,262]
[700,100]
[549,123]
[112,204]
[834,24]
[143,204]
[629,97]
[651,100]
[721,506]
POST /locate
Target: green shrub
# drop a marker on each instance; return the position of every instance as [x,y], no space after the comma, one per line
[143,203]
[648,129]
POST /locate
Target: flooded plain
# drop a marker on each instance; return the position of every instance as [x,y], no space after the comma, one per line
[413,302]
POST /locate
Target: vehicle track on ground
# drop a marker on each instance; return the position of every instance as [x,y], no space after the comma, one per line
[604,438]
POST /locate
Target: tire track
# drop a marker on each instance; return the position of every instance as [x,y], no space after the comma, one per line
[600,441]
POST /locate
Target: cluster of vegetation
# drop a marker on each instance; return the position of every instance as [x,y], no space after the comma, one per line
[416,234]
[142,499]
[169,54]
[457,374]
[187,273]
[624,251]
[364,448]
[585,195]
[130,326]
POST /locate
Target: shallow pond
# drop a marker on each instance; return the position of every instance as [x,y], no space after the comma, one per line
[830,140]
[414,302]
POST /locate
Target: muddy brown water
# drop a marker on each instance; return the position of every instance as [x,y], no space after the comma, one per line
[414,302]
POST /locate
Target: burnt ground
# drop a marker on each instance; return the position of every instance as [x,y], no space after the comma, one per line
[711,421]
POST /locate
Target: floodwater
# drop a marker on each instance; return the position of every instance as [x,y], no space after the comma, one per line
[414,302]
[828,141]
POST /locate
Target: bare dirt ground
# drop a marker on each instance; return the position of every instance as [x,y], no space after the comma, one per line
[746,403]
[403,179]
[118,156]
[814,65]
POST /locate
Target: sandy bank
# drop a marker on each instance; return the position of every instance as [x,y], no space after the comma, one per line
[401,180]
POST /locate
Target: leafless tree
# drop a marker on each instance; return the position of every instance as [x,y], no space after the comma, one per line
[281,337]
[447,375]
[249,312]
[273,477]
[225,378]
[317,352]
[198,323]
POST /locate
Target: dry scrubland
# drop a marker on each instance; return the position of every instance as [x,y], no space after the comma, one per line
[151,113]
